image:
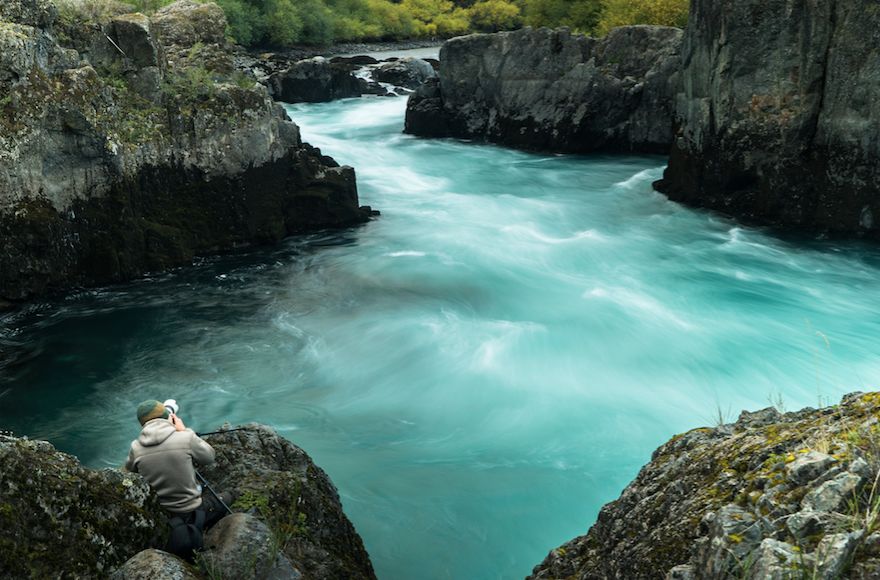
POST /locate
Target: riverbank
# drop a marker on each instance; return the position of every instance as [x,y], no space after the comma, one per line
[770,496]
[132,145]
[378,50]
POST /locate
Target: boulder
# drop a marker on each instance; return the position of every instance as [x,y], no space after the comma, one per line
[354,61]
[152,564]
[133,36]
[805,523]
[555,91]
[833,495]
[243,546]
[186,23]
[834,554]
[775,560]
[56,515]
[733,533]
[314,80]
[809,466]
[279,482]
[405,72]
[777,123]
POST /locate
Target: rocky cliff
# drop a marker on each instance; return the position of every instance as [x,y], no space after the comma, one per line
[772,496]
[58,519]
[554,91]
[130,144]
[777,115]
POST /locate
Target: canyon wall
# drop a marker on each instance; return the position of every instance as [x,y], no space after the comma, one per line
[777,120]
[550,90]
[131,144]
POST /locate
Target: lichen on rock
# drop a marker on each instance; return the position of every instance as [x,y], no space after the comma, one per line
[57,516]
[770,496]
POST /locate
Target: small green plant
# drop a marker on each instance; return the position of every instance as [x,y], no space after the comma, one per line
[251,500]
[194,83]
[209,567]
[286,524]
[865,511]
[242,80]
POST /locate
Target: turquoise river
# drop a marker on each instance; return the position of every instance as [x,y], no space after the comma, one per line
[480,368]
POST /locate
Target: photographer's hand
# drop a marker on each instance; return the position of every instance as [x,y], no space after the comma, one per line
[177,422]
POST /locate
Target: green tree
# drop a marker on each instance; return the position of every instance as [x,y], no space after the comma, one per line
[247,23]
[494,15]
[284,22]
[626,12]
[317,22]
[579,15]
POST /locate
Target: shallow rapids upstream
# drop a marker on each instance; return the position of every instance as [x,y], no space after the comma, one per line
[480,368]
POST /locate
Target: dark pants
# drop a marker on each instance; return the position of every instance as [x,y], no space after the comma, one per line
[211,506]
[214,510]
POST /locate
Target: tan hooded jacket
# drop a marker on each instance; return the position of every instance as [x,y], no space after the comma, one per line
[164,456]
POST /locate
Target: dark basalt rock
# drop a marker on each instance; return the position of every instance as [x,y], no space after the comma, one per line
[776,119]
[280,482]
[551,90]
[424,111]
[404,72]
[139,149]
[165,216]
[314,80]
[354,61]
[760,498]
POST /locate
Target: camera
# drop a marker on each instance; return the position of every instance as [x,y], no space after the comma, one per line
[172,406]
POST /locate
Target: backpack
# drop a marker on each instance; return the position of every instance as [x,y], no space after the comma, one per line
[187,534]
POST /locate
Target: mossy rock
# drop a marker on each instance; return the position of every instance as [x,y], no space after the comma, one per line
[57,516]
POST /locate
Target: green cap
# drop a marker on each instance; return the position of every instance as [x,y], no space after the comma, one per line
[151,409]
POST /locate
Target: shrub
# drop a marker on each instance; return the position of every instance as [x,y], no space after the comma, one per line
[626,12]
[494,15]
[579,15]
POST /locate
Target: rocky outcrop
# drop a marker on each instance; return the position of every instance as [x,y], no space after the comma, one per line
[137,146]
[555,91]
[407,72]
[62,520]
[56,516]
[314,80]
[770,496]
[243,546]
[279,482]
[777,120]
[152,564]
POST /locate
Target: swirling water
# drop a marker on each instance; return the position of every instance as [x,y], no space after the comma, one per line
[480,368]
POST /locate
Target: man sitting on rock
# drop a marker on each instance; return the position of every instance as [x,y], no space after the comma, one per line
[164,453]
